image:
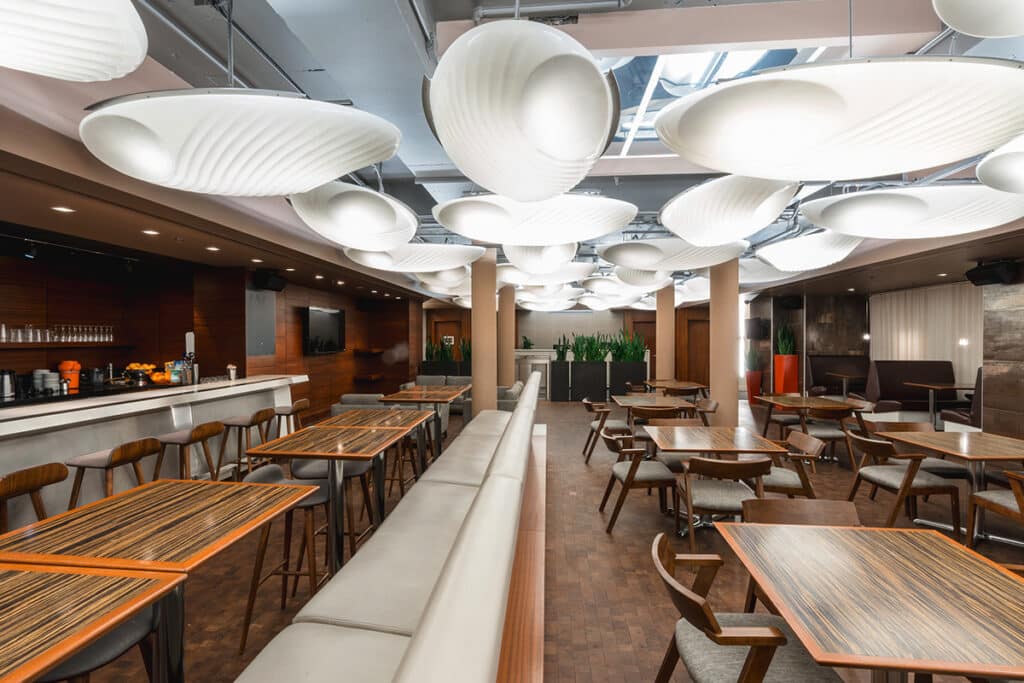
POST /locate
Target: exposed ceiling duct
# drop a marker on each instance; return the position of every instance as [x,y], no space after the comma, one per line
[483,12]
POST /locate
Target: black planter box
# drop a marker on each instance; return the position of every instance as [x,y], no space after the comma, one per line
[558,382]
[439,367]
[588,381]
[620,372]
[465,368]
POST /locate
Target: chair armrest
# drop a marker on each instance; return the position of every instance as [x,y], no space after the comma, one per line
[751,636]
[1011,474]
[633,451]
[709,560]
[908,456]
[1018,568]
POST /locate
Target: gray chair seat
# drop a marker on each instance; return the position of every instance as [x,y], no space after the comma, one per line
[780,477]
[283,410]
[98,460]
[238,421]
[720,495]
[891,476]
[785,418]
[107,648]
[180,437]
[649,470]
[675,461]
[999,477]
[947,469]
[1002,497]
[825,431]
[711,663]
[273,474]
[309,468]
[609,424]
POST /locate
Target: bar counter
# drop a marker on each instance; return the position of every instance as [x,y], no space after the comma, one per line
[53,432]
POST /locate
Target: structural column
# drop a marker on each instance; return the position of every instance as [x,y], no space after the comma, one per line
[725,340]
[665,334]
[484,317]
[506,336]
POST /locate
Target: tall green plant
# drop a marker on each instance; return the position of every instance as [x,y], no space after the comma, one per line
[627,348]
[590,348]
[430,352]
[785,341]
[561,348]
[753,360]
[527,342]
[466,349]
[445,351]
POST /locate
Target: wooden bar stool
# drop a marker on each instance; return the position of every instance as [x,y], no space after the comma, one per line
[29,482]
[291,415]
[108,460]
[243,425]
[184,439]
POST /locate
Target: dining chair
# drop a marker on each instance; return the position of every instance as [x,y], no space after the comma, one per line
[674,460]
[640,415]
[705,407]
[682,392]
[633,471]
[802,450]
[947,469]
[634,389]
[826,425]
[290,417]
[1004,502]
[879,467]
[784,418]
[183,440]
[717,487]
[747,648]
[602,411]
[243,426]
[136,632]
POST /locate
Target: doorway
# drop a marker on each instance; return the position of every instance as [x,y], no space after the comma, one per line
[448,330]
[698,351]
[646,330]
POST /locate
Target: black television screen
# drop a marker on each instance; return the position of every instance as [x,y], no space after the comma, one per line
[323,330]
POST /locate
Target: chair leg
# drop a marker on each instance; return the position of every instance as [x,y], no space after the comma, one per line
[668,662]
[146,652]
[108,481]
[288,519]
[76,488]
[140,476]
[586,444]
[750,603]
[350,518]
[618,507]
[185,462]
[972,522]
[257,569]
[223,447]
[590,450]
[954,506]
[607,493]
[159,461]
[310,529]
[874,492]
[853,489]
[300,558]
[890,522]
[364,482]
[691,531]
[208,457]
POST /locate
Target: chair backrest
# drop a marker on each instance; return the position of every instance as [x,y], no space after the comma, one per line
[707,405]
[298,408]
[207,430]
[633,389]
[976,398]
[614,441]
[819,414]
[133,451]
[652,412]
[680,391]
[877,450]
[805,443]
[268,474]
[591,406]
[676,422]
[692,606]
[730,469]
[29,481]
[800,511]
[361,399]
[900,427]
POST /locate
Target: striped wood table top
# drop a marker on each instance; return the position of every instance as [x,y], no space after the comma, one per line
[334,443]
[445,393]
[895,599]
[651,401]
[965,445]
[807,403]
[711,440]
[381,418]
[48,613]
[167,525]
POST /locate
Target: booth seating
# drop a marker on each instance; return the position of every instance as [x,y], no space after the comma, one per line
[822,383]
[887,382]
[968,416]
[379,618]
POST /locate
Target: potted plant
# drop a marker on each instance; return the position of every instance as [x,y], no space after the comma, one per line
[558,382]
[787,363]
[429,365]
[466,351]
[627,363]
[589,369]
[527,343]
[754,375]
[446,363]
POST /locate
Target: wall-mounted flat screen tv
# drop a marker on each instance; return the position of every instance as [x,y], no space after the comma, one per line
[323,331]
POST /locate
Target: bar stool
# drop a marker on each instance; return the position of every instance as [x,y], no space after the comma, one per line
[243,425]
[273,474]
[184,439]
[305,469]
[108,460]
[135,631]
[291,415]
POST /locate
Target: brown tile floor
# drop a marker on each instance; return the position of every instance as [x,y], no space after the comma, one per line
[607,616]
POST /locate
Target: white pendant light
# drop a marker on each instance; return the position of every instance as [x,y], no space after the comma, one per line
[594,302]
[648,280]
[647,303]
[417,258]
[73,40]
[821,121]
[544,291]
[572,272]
[547,306]
[983,18]
[557,293]
[521,108]
[463,301]
[460,289]
[230,141]
[566,218]
[726,209]
[540,260]
[754,271]
[610,286]
[695,289]
[444,278]
[808,252]
[669,254]
[1003,168]
[355,216]
[915,212]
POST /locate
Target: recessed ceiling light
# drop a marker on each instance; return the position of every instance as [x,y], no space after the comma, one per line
[213,249]
[319,277]
[851,289]
[341,282]
[62,209]
[150,232]
[256,260]
[943,274]
[398,298]
[386,294]
[290,270]
[373,291]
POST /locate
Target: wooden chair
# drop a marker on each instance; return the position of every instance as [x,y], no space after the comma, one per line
[1005,502]
[634,389]
[602,411]
[183,440]
[640,415]
[675,461]
[243,426]
[947,469]
[906,482]
[29,482]
[291,416]
[802,449]
[681,392]
[742,647]
[783,418]
[108,460]
[705,407]
[715,487]
[826,425]
[633,471]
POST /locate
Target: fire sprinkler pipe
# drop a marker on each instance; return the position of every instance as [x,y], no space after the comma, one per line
[481,12]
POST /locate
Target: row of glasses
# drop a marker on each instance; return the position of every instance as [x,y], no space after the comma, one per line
[58,334]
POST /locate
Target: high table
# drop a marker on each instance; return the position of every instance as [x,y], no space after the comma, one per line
[385,418]
[167,525]
[890,600]
[932,387]
[630,401]
[976,448]
[49,613]
[434,395]
[337,444]
[845,377]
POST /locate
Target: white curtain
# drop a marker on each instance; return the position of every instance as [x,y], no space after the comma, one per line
[930,323]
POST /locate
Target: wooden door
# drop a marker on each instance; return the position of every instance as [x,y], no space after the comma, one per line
[646,329]
[448,328]
[698,351]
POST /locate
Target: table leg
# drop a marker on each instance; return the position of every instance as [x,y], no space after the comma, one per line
[888,676]
[170,637]
[335,512]
[767,420]
[421,446]
[931,405]
[437,433]
[378,485]
[846,387]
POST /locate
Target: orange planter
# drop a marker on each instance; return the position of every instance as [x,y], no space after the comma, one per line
[787,374]
[753,386]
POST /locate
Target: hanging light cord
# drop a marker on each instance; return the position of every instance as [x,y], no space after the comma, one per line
[517,9]
[231,44]
[850,5]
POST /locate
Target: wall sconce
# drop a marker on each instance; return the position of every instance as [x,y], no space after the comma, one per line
[866,337]
[963,341]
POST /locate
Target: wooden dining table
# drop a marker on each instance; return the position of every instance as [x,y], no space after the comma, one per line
[716,440]
[630,401]
[168,525]
[893,601]
[434,395]
[803,404]
[49,613]
[845,378]
[680,384]
[932,387]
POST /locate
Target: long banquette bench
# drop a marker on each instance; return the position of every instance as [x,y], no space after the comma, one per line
[424,599]
[887,382]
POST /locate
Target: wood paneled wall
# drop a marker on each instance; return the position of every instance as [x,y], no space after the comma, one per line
[219,319]
[1002,410]
[836,325]
[693,344]
[455,315]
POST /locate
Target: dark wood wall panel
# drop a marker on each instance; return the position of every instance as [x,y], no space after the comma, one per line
[836,325]
[462,316]
[415,336]
[218,319]
[693,344]
[1003,366]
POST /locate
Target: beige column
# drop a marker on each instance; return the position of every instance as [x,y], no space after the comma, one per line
[506,336]
[484,317]
[725,339]
[665,334]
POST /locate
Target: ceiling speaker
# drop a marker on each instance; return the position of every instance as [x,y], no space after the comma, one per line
[997,273]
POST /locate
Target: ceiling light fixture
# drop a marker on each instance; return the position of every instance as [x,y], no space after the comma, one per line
[319,277]
[1002,168]
[982,18]
[256,260]
[373,291]
[444,278]
[213,249]
[549,293]
[540,260]
[150,232]
[851,289]
[571,272]
[566,218]
[648,280]
[726,209]
[547,306]
[669,254]
[62,209]
[809,252]
[355,216]
[235,142]
[99,40]
[754,271]
[521,108]
[417,257]
[820,121]
[943,274]
[289,270]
